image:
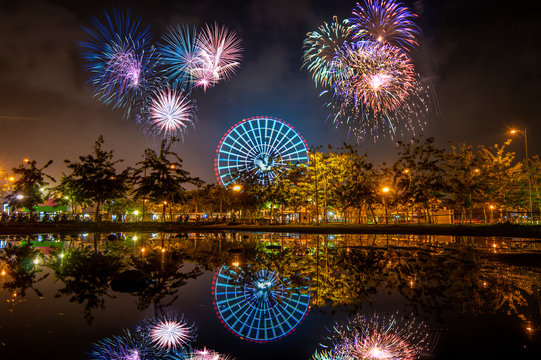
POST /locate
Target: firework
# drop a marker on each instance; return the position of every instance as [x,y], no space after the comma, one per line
[218,55]
[124,347]
[380,337]
[168,113]
[207,354]
[119,57]
[372,76]
[168,331]
[385,21]
[179,54]
[322,47]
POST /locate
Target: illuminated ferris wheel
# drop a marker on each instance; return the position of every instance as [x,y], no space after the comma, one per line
[260,306]
[260,145]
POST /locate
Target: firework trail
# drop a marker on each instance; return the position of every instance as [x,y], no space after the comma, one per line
[120,58]
[179,55]
[385,21]
[218,55]
[322,47]
[379,337]
[167,332]
[125,347]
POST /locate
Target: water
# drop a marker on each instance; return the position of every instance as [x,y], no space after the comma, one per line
[478,297]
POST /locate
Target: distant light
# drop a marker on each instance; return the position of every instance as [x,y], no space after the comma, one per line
[385,189]
[237,188]
[19,197]
[163,250]
[491,207]
[236,263]
[36,261]
[61,255]
[66,198]
[136,212]
[3,272]
[142,250]
[26,160]
[135,238]
[11,178]
[494,245]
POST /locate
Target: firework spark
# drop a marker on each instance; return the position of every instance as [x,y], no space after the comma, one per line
[385,21]
[169,333]
[219,54]
[372,76]
[124,347]
[379,337]
[170,113]
[321,48]
[179,54]
[207,354]
[119,56]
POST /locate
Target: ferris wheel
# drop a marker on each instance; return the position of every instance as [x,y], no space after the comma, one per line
[260,145]
[260,306]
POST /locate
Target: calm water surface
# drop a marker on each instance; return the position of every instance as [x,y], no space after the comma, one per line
[478,297]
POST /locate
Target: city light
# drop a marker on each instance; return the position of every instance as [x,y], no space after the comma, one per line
[237,188]
[385,189]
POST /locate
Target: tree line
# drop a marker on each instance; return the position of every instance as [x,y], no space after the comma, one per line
[337,185]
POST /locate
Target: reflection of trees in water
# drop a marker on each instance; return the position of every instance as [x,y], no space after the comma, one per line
[86,275]
[164,275]
[20,266]
[433,274]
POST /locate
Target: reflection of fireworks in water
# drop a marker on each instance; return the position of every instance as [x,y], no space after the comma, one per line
[207,354]
[169,331]
[321,48]
[119,58]
[119,347]
[379,337]
[385,21]
[179,54]
[218,55]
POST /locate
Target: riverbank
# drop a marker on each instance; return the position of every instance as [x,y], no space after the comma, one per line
[506,230]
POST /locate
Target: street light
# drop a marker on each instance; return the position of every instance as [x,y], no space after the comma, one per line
[237,188]
[525,134]
[385,190]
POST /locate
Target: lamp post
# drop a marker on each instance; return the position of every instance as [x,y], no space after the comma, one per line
[385,190]
[237,188]
[525,134]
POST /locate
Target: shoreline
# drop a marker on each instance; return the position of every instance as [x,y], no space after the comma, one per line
[504,230]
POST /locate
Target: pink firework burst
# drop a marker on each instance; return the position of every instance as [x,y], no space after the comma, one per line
[167,333]
[207,354]
[171,112]
[218,55]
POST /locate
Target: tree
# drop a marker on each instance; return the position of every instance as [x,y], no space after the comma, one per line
[29,187]
[95,176]
[160,177]
[419,172]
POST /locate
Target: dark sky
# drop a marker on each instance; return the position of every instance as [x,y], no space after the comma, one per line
[482,59]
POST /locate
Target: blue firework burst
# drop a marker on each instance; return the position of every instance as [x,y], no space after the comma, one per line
[179,54]
[119,57]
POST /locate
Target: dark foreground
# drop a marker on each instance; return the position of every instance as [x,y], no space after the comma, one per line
[506,230]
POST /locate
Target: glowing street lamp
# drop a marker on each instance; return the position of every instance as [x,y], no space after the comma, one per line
[524,133]
[237,188]
[385,190]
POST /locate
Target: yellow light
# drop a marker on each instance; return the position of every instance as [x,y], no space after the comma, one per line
[491,207]
[142,250]
[385,189]
[26,160]
[165,202]
[237,188]
[484,283]
[36,261]
[136,212]
[476,170]
[12,179]
[513,131]
[236,263]
[406,171]
[494,245]
[3,272]
[529,328]
[172,166]
[163,250]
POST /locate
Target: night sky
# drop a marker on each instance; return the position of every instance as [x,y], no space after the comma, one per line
[482,59]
